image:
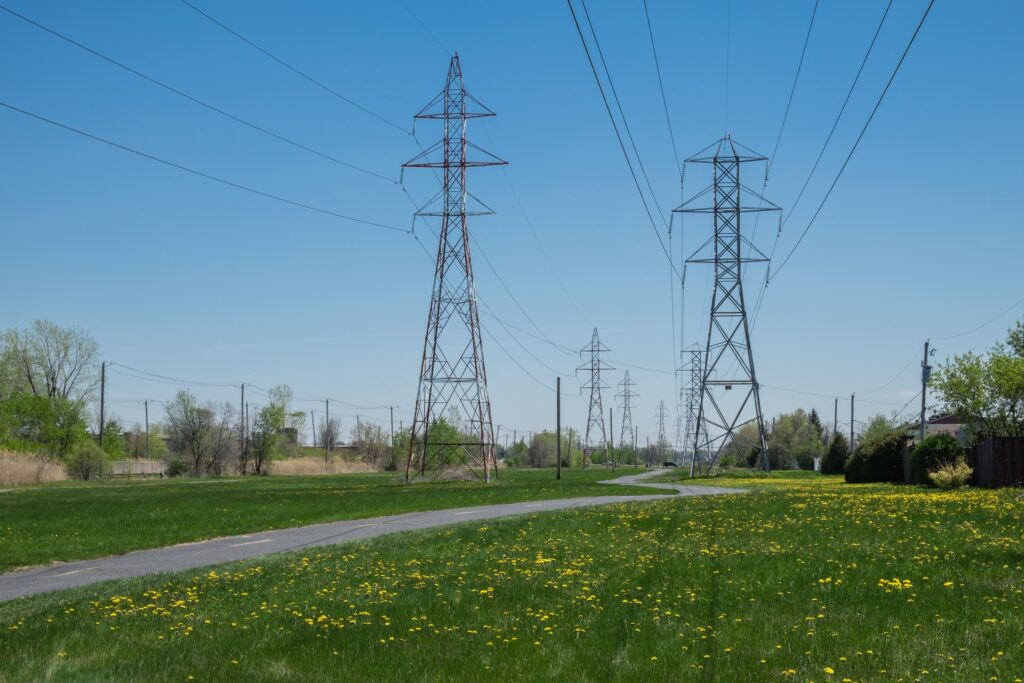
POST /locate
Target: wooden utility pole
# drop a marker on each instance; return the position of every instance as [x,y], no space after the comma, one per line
[241,422]
[926,371]
[392,440]
[851,423]
[558,428]
[835,418]
[328,436]
[103,399]
[636,438]
[312,424]
[149,453]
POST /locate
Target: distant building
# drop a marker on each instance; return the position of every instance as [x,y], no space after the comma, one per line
[946,423]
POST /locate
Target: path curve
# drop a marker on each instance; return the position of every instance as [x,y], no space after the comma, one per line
[174,558]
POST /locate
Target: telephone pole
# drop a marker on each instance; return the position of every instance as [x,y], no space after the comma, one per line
[730,398]
[452,372]
[241,422]
[149,452]
[558,428]
[103,399]
[835,418]
[593,365]
[926,373]
[851,422]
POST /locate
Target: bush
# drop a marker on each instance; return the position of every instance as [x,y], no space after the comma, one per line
[951,475]
[932,453]
[177,468]
[87,461]
[878,461]
[804,461]
[834,461]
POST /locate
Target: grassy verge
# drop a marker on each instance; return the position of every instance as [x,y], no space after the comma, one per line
[72,521]
[802,579]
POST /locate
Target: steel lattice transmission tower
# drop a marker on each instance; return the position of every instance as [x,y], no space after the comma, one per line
[591,354]
[694,371]
[659,417]
[452,375]
[626,394]
[730,394]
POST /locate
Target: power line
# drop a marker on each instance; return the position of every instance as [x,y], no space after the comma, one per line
[984,324]
[622,112]
[196,100]
[536,239]
[201,174]
[294,69]
[792,91]
[425,28]
[661,85]
[856,143]
[176,380]
[839,115]
[618,136]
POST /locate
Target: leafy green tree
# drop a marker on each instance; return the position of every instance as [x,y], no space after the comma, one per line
[49,360]
[541,452]
[794,441]
[879,427]
[986,390]
[32,422]
[113,439]
[834,461]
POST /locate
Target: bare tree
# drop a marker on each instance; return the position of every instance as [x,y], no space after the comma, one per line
[189,426]
[49,360]
[222,437]
[330,434]
[373,444]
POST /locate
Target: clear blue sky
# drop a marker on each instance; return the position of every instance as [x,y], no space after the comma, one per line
[187,278]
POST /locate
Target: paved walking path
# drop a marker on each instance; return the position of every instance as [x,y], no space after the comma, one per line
[230,548]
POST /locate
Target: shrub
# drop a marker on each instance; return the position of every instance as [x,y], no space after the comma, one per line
[932,453]
[804,461]
[951,475]
[177,468]
[878,461]
[87,461]
[834,461]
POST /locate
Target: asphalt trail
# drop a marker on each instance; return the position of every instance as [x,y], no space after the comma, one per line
[60,576]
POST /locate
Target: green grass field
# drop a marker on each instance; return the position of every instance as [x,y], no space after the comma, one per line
[72,521]
[801,579]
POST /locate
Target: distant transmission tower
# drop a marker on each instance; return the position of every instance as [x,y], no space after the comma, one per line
[627,395]
[659,417]
[728,362]
[453,381]
[593,364]
[692,433]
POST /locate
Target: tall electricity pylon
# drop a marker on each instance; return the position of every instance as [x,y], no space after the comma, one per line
[627,395]
[728,361]
[692,433]
[591,354]
[452,380]
[659,418]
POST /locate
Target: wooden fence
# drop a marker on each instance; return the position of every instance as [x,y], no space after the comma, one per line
[999,461]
